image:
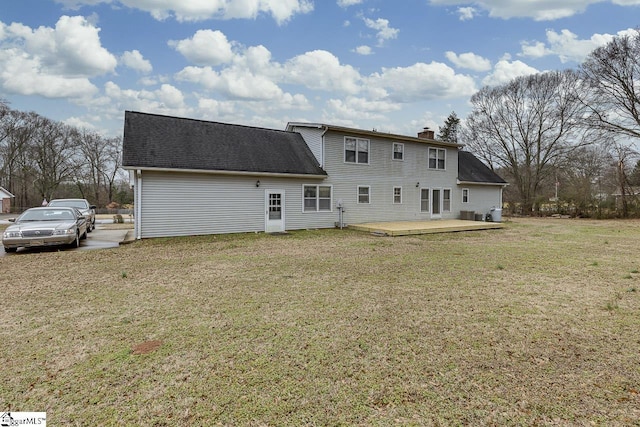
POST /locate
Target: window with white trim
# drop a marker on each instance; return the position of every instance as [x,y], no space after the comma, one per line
[398,151]
[316,198]
[465,195]
[364,194]
[424,200]
[436,158]
[446,200]
[356,150]
[397,195]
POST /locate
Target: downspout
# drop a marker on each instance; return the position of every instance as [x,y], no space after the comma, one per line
[138,205]
[326,129]
[339,203]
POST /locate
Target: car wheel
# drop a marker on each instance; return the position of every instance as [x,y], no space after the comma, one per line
[76,242]
[10,250]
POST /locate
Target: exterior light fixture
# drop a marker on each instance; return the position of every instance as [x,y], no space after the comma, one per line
[417,184]
[258,183]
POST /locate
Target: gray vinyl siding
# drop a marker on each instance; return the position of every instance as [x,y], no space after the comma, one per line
[481,198]
[313,138]
[185,204]
[382,174]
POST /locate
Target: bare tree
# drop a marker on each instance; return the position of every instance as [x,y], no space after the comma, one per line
[612,76]
[114,165]
[623,156]
[526,126]
[52,150]
[582,177]
[99,160]
[17,166]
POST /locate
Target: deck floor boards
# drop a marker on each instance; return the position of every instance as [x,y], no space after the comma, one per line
[405,228]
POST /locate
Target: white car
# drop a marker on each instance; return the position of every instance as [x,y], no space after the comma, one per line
[46,226]
[88,210]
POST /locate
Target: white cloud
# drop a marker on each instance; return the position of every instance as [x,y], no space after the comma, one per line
[23,75]
[134,60]
[364,50]
[165,100]
[505,71]
[347,3]
[534,50]
[355,108]
[540,10]
[466,13]
[566,45]
[321,70]
[469,60]
[206,47]
[71,48]
[201,10]
[382,26]
[53,62]
[421,82]
[79,123]
[233,82]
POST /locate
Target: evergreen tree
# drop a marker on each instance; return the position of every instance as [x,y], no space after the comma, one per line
[449,132]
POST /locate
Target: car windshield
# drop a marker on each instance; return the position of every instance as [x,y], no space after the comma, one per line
[47,215]
[80,204]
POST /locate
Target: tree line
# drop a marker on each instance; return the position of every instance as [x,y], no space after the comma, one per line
[41,158]
[564,140]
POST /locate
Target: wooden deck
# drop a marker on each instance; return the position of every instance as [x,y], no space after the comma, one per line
[405,228]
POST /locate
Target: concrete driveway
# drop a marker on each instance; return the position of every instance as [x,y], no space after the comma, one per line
[99,238]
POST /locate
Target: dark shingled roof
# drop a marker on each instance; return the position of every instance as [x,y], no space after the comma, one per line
[154,141]
[471,169]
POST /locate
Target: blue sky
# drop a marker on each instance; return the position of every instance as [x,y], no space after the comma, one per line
[390,65]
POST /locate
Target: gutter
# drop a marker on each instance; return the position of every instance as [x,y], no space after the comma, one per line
[227,172]
[496,184]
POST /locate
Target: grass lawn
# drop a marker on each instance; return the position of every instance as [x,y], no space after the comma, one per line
[534,324]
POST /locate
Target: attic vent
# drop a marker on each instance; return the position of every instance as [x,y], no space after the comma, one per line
[426,134]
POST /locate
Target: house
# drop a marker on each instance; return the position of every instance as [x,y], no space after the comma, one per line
[198,177]
[5,197]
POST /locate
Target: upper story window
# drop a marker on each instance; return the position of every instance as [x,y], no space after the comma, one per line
[436,158]
[356,150]
[398,151]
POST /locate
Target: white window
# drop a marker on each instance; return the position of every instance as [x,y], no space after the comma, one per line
[424,200]
[364,194]
[446,200]
[398,151]
[465,195]
[316,198]
[436,158]
[356,150]
[397,195]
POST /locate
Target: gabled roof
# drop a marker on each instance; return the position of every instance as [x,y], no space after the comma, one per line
[371,133]
[5,194]
[471,170]
[170,143]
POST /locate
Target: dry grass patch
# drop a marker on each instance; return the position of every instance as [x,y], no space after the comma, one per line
[538,323]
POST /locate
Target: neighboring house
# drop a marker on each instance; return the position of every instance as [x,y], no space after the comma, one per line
[198,177]
[6,197]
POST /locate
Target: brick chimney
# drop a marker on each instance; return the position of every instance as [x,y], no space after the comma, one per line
[426,134]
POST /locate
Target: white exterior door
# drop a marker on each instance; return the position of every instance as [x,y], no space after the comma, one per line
[274,211]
